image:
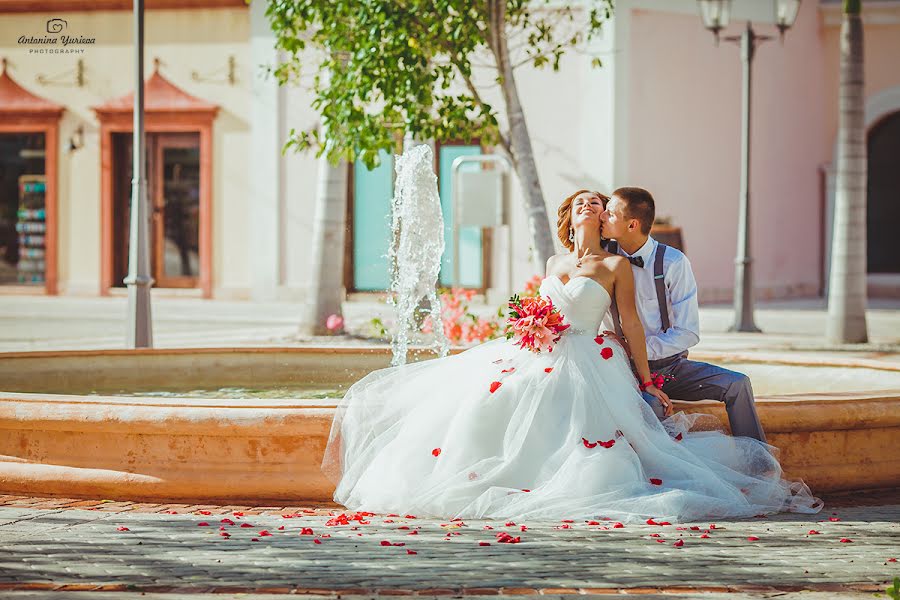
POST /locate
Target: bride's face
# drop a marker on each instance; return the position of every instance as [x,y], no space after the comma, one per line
[586,210]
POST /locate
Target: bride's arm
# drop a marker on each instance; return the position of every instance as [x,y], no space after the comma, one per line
[631,324]
[633,330]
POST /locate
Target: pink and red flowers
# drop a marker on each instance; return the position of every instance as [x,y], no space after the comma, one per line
[534,323]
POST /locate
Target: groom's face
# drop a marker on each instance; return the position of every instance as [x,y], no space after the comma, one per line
[614,224]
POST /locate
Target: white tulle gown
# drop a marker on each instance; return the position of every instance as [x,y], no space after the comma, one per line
[432,439]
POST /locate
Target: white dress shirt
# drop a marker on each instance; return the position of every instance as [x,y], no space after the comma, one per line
[681,296]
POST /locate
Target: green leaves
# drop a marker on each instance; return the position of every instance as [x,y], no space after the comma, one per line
[385,68]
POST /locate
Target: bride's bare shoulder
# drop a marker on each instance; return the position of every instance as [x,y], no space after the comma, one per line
[555,261]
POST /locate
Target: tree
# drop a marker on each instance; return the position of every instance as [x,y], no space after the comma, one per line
[847,285]
[388,68]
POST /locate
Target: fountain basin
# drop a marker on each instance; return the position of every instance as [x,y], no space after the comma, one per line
[257,449]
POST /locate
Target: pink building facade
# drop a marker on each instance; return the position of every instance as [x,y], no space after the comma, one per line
[679,98]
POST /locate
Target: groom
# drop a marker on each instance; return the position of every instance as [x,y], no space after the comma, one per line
[666,300]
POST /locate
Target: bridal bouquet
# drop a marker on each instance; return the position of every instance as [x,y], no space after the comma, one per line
[534,323]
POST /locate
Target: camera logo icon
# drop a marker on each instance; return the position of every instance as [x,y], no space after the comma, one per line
[56,25]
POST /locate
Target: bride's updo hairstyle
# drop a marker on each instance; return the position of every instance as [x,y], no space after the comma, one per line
[564,216]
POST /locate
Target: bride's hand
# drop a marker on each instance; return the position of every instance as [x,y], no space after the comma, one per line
[662,397]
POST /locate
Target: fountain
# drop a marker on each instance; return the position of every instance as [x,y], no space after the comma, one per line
[415,255]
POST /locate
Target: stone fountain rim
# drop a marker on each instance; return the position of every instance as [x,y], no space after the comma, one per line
[709,355]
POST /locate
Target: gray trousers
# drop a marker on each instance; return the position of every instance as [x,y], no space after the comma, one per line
[702,381]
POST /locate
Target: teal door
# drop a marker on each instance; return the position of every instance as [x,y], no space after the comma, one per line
[372,193]
[470,252]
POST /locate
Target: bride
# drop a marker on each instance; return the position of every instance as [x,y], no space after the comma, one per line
[501,432]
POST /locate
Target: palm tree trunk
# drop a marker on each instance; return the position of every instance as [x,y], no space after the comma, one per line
[847,286]
[520,150]
[326,288]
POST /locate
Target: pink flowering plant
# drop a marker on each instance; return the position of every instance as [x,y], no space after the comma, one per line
[534,323]
[461,325]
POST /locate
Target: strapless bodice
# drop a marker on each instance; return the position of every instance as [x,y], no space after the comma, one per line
[582,301]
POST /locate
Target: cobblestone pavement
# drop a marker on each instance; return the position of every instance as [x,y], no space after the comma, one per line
[65,548]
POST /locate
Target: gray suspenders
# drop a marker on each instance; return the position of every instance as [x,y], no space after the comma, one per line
[658,279]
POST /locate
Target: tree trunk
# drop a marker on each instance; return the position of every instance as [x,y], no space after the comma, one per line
[521,152]
[847,285]
[326,285]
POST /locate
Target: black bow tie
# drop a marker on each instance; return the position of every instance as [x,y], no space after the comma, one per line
[636,261]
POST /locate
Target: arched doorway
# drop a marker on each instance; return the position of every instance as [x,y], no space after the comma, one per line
[883,207]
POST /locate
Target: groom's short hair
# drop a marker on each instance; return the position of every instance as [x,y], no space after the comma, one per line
[639,205]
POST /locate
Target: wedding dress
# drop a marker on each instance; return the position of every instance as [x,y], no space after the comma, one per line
[501,432]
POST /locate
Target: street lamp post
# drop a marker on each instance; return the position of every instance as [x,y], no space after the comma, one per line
[139,281]
[716,15]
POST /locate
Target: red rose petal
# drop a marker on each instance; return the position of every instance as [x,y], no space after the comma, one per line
[814,532]
[385,543]
[509,370]
[409,517]
[892,560]
[238,514]
[495,385]
[679,543]
[317,541]
[618,526]
[655,481]
[846,541]
[833,519]
[436,452]
[413,533]
[225,534]
[122,529]
[588,444]
[526,491]
[509,524]
[593,522]
[523,528]
[548,369]
[264,533]
[567,521]
[281,528]
[227,521]
[608,444]
[661,541]
[306,531]
[599,339]
[752,538]
[606,353]
[487,527]
[663,523]
[679,437]
[654,535]
[257,539]
[651,522]
[705,535]
[204,512]
[203,524]
[694,528]
[411,552]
